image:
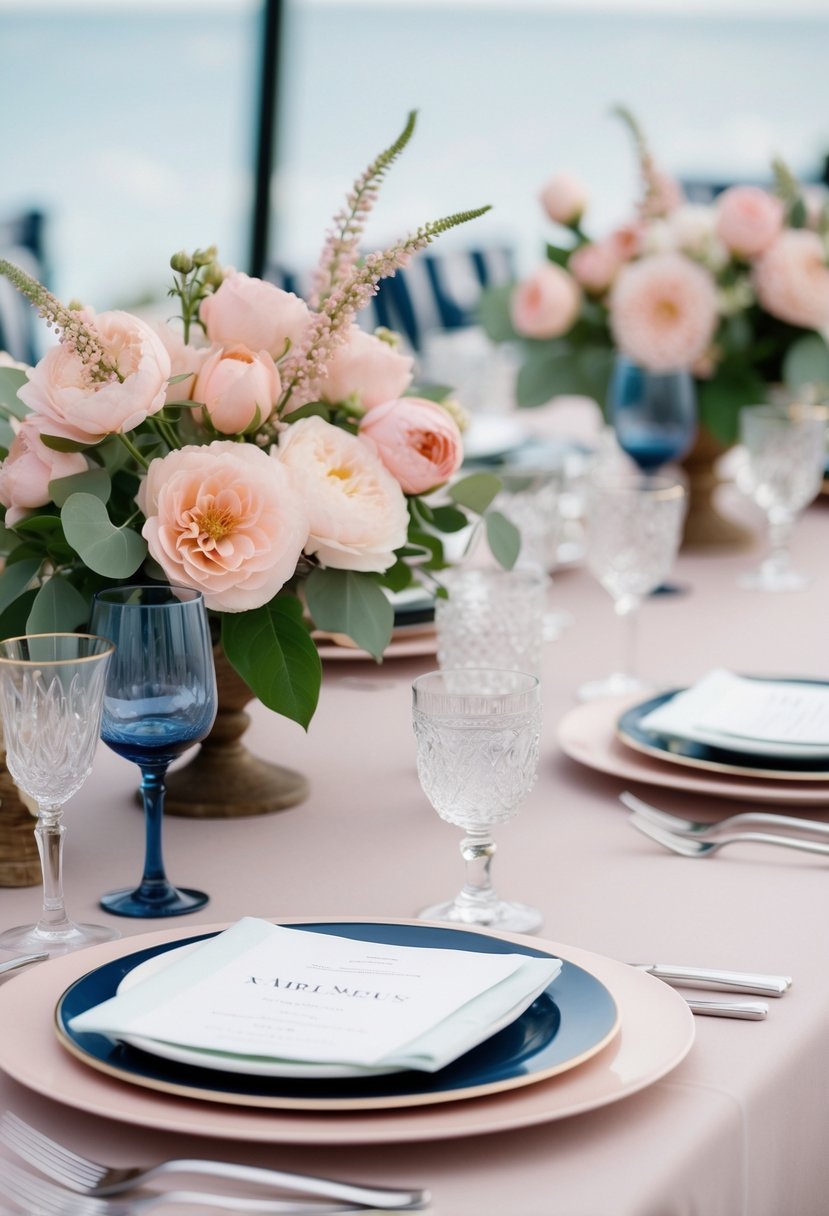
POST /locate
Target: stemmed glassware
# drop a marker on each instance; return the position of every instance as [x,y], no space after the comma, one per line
[785,459]
[477,734]
[160,699]
[51,693]
[654,414]
[633,528]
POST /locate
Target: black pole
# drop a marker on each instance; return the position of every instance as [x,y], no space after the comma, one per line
[266,135]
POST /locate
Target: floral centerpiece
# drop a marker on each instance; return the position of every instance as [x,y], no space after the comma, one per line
[262,449]
[736,291]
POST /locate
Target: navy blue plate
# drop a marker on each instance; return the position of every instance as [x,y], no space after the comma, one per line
[568,1023]
[705,755]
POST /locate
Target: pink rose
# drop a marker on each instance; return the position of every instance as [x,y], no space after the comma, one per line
[237,388]
[367,370]
[792,279]
[29,467]
[184,358]
[748,220]
[626,241]
[221,518]
[594,266]
[564,198]
[260,315]
[418,442]
[358,514]
[663,311]
[74,406]
[546,304]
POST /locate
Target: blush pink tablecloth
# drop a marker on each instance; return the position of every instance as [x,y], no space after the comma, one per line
[739,1128]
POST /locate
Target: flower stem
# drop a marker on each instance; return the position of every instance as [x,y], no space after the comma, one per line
[133,451]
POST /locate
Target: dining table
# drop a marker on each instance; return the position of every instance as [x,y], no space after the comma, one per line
[735,1126]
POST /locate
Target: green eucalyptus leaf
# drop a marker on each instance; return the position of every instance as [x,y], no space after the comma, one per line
[57,443]
[13,620]
[449,519]
[12,379]
[9,540]
[806,362]
[180,377]
[476,491]
[38,525]
[113,552]
[494,313]
[93,481]
[314,409]
[15,579]
[429,392]
[398,577]
[6,434]
[58,608]
[349,602]
[503,538]
[272,651]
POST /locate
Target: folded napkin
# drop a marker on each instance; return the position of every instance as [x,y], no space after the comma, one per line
[273,993]
[730,711]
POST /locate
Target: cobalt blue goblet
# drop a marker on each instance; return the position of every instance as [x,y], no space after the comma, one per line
[160,699]
[654,414]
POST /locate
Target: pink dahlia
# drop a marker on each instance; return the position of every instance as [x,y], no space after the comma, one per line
[663,311]
[748,219]
[792,279]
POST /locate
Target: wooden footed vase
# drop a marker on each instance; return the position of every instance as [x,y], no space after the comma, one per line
[224,780]
[19,860]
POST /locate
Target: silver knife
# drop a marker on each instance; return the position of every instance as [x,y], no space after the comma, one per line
[719,981]
[23,961]
[748,1011]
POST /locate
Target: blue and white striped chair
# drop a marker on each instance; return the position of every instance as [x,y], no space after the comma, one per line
[21,242]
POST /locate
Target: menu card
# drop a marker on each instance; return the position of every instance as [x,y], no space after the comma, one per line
[276,993]
[731,707]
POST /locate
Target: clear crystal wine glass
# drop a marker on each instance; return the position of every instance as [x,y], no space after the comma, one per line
[785,459]
[160,699]
[477,733]
[633,529]
[51,693]
[494,613]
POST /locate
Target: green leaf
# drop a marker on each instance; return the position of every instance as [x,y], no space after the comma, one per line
[475,491]
[503,538]
[398,577]
[494,313]
[11,379]
[720,400]
[314,409]
[806,362]
[58,444]
[111,454]
[8,540]
[424,545]
[15,579]
[182,376]
[38,525]
[448,519]
[349,602]
[58,608]
[114,552]
[6,434]
[558,255]
[430,392]
[93,481]
[272,651]
[13,620]
[551,369]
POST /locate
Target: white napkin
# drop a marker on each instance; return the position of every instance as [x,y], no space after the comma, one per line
[275,993]
[772,716]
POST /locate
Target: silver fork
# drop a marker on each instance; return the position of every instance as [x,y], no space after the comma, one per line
[91,1178]
[36,1195]
[746,819]
[687,846]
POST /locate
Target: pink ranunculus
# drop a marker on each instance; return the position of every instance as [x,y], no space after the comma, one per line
[748,220]
[221,518]
[29,467]
[237,388]
[259,315]
[792,279]
[594,266]
[186,358]
[564,198]
[367,370]
[663,311]
[546,304]
[418,442]
[75,406]
[358,514]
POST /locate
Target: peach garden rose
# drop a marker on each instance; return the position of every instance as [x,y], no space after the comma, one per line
[223,518]
[237,388]
[358,514]
[366,370]
[546,304]
[29,467]
[418,441]
[256,313]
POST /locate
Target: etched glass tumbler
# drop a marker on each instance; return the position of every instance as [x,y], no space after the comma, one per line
[51,696]
[494,617]
[477,733]
[785,458]
[633,529]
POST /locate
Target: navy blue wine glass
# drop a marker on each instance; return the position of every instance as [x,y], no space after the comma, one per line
[654,414]
[160,699]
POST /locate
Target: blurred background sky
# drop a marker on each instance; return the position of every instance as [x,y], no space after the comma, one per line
[133,126]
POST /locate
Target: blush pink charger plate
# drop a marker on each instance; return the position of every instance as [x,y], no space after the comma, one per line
[588,734]
[656,1033]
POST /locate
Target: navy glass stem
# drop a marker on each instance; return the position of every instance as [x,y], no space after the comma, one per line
[155,885]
